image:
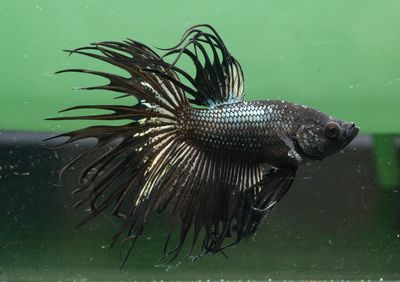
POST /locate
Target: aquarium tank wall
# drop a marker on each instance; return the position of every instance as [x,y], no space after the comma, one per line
[341,218]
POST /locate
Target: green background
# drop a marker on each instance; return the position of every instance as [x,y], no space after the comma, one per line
[339,56]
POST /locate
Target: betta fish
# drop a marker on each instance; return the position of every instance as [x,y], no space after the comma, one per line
[190,145]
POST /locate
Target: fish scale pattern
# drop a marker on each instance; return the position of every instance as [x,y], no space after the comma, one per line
[242,126]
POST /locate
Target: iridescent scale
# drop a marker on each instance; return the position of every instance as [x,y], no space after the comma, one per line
[242,126]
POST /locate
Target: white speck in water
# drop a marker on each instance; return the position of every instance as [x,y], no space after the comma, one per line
[21,173]
[394,80]
[398,235]
[352,86]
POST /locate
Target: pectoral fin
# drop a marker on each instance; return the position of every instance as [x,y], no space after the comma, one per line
[292,153]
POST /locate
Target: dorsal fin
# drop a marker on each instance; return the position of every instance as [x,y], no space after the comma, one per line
[219,77]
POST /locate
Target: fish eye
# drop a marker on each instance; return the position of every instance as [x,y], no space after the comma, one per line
[332,130]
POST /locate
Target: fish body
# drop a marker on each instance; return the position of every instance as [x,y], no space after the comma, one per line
[245,129]
[264,131]
[217,163]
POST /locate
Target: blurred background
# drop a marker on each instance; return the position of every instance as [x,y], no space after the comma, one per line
[341,219]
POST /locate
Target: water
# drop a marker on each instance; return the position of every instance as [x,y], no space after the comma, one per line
[335,223]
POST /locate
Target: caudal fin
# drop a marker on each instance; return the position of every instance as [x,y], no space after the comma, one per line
[117,177]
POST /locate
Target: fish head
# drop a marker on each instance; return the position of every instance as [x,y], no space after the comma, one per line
[320,135]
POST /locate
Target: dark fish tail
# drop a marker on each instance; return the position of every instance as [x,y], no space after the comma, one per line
[139,147]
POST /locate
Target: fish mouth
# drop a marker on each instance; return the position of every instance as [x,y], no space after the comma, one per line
[351,132]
